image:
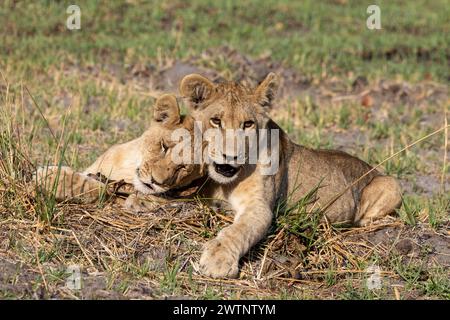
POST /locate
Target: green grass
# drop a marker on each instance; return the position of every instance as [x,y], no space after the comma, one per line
[434,209]
[326,37]
[298,218]
[169,281]
[432,282]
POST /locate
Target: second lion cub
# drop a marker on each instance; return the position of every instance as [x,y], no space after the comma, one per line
[145,162]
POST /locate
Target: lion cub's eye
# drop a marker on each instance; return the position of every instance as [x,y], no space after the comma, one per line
[164,147]
[215,122]
[248,124]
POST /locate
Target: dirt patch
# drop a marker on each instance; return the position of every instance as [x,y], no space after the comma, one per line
[419,244]
[16,280]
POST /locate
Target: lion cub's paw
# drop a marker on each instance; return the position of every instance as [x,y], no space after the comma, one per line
[43,173]
[218,262]
[139,205]
[45,177]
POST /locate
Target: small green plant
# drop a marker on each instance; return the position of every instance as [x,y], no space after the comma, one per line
[45,197]
[380,130]
[300,218]
[409,210]
[438,208]
[344,117]
[330,276]
[411,273]
[169,281]
[433,282]
[212,294]
[361,292]
[123,286]
[437,284]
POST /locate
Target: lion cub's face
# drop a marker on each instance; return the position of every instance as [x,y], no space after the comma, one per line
[158,172]
[234,111]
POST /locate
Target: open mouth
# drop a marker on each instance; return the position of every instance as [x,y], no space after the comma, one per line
[226,170]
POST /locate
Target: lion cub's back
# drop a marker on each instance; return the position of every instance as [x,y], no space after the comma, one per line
[333,170]
[118,162]
[351,167]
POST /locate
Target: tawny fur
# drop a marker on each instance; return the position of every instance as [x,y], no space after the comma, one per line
[145,162]
[253,195]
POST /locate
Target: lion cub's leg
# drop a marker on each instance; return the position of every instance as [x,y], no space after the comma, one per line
[379,198]
[220,258]
[68,184]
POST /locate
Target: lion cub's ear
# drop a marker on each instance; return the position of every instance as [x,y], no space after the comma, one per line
[196,89]
[265,92]
[166,110]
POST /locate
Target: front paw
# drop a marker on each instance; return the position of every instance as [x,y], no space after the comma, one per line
[136,204]
[44,179]
[217,261]
[45,175]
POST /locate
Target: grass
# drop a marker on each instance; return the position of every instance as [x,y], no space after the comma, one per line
[428,281]
[301,218]
[65,96]
[317,38]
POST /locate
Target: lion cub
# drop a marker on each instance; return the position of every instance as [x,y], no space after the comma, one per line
[253,193]
[145,162]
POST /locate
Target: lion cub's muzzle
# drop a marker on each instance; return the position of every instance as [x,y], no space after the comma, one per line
[148,185]
[227,170]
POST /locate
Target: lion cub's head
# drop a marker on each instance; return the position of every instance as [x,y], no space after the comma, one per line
[226,106]
[160,169]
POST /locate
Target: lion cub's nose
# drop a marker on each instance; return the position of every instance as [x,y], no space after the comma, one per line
[228,158]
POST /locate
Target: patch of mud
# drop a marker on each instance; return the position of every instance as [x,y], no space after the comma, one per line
[349,140]
[169,78]
[16,280]
[419,243]
[426,185]
[241,68]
